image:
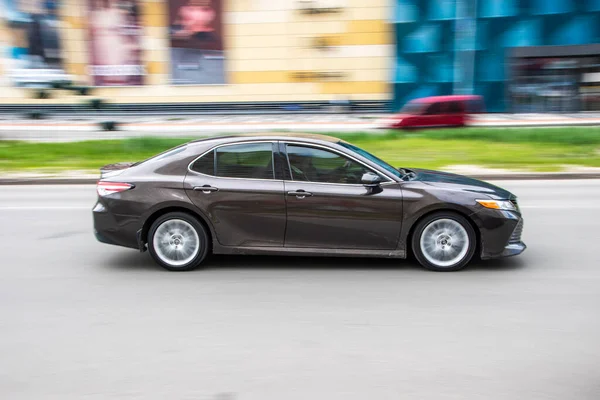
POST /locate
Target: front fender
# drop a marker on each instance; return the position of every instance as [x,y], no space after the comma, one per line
[420,200]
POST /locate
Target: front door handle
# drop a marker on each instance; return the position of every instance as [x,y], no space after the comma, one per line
[206,189]
[300,194]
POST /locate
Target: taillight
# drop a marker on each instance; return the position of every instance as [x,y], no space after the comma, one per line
[106,188]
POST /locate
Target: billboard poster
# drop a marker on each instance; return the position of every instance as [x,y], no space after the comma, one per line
[32,50]
[196,40]
[115,35]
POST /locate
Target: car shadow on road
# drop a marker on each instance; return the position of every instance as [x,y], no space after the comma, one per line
[282,262]
[499,264]
[131,260]
[342,263]
[128,260]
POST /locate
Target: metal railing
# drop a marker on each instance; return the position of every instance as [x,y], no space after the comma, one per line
[203,108]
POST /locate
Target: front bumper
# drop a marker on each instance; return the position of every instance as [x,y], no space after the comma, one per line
[500,233]
[513,249]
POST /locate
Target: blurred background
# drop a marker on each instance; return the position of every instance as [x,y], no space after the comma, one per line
[85,83]
[520,55]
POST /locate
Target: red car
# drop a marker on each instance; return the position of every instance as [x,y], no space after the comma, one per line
[436,111]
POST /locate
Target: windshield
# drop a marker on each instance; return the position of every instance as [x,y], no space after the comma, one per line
[413,108]
[372,158]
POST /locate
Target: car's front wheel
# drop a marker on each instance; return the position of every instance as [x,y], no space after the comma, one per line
[178,242]
[444,241]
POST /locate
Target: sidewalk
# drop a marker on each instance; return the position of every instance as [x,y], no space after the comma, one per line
[88,128]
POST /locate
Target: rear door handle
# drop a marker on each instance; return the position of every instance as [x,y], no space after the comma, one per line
[300,194]
[206,189]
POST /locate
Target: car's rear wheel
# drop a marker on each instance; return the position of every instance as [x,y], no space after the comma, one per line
[178,242]
[444,241]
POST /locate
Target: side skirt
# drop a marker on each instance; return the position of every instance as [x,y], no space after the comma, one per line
[308,251]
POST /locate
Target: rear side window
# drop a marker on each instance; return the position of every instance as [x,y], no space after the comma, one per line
[250,161]
[205,164]
[434,109]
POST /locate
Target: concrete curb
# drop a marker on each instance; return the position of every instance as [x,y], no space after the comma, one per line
[489,177]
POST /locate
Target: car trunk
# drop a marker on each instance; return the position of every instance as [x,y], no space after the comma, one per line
[111,170]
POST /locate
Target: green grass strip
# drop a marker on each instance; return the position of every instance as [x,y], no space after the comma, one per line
[536,149]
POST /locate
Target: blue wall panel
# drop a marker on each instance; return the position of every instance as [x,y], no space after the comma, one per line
[498,8]
[439,10]
[546,7]
[425,42]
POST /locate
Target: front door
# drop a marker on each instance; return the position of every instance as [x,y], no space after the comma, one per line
[431,116]
[235,187]
[456,113]
[328,207]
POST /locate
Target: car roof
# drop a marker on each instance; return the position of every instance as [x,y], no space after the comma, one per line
[306,137]
[434,99]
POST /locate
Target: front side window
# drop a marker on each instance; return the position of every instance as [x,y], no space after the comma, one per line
[372,158]
[250,161]
[455,107]
[315,165]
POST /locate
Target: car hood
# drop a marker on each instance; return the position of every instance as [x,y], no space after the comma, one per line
[461,183]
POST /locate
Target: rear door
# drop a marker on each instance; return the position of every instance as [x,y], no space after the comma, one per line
[236,187]
[328,207]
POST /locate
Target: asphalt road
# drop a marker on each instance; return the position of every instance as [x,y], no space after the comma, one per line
[83,320]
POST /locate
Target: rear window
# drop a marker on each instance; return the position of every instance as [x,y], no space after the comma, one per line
[165,154]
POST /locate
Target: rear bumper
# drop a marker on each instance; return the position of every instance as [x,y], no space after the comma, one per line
[114,229]
[103,239]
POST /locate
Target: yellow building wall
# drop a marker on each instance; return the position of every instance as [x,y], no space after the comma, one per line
[266,43]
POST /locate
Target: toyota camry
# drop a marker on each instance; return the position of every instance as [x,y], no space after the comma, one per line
[299,195]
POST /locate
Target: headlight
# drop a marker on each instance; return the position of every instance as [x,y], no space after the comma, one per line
[498,204]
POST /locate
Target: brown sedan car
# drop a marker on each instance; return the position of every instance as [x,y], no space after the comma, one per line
[299,195]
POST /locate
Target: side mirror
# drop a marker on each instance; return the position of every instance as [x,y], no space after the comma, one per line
[371,180]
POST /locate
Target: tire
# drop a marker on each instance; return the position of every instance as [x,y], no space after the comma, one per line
[168,237]
[444,241]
